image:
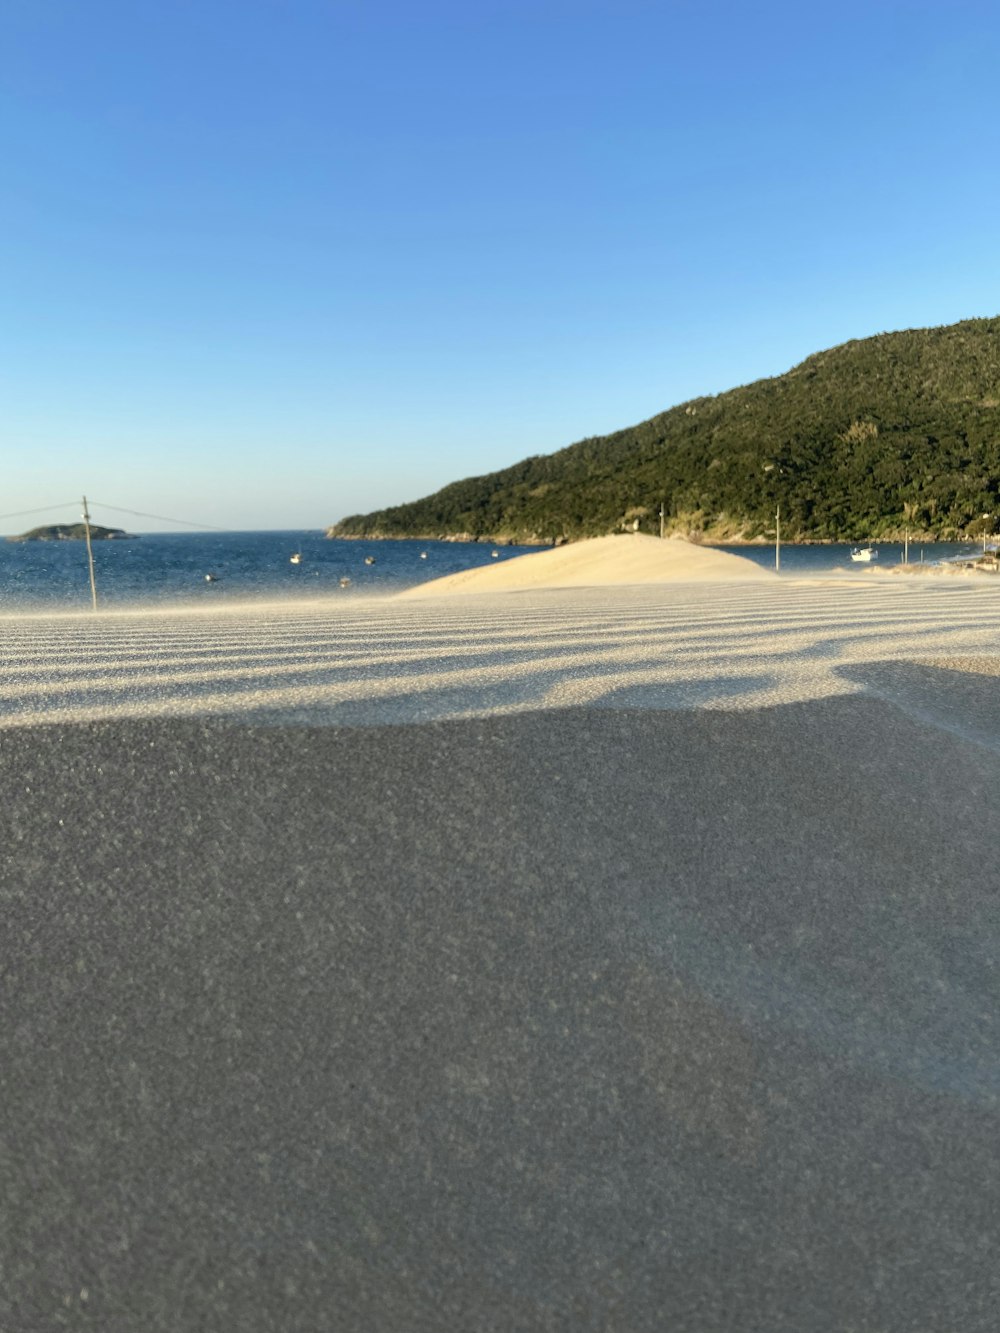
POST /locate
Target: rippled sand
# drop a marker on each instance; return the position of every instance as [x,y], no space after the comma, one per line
[615,958]
[389,661]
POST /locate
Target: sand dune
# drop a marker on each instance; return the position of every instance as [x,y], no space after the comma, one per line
[630,558]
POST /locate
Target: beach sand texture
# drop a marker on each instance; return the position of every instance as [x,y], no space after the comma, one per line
[603,959]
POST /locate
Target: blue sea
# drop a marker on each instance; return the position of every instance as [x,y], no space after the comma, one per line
[160,568]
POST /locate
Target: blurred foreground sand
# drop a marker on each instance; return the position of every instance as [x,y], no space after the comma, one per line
[601,959]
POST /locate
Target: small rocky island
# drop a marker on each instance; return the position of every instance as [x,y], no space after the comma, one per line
[72,532]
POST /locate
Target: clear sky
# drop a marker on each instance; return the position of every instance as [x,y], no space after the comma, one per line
[264,263]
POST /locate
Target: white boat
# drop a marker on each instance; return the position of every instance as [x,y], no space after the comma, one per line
[864,554]
[295,559]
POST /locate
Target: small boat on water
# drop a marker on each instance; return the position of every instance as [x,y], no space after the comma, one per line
[864,554]
[295,559]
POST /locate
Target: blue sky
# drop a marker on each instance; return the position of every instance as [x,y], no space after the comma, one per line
[265,263]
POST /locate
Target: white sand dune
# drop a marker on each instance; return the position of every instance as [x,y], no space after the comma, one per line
[630,558]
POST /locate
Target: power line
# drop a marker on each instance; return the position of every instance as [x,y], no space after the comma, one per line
[160,518]
[136,513]
[19,513]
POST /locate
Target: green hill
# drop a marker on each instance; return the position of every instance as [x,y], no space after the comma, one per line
[880,434]
[71,532]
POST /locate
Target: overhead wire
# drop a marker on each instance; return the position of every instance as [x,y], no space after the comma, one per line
[160,518]
[19,513]
[119,509]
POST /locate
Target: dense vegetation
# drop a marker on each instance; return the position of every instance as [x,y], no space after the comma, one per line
[897,431]
[70,532]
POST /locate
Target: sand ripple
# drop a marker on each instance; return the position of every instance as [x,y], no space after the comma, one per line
[712,645]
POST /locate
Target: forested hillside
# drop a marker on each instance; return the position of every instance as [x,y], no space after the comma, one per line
[897,431]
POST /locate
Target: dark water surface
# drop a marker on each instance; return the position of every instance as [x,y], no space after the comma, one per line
[170,568]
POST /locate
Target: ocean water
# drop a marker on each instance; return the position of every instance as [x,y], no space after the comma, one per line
[170,568]
[167,568]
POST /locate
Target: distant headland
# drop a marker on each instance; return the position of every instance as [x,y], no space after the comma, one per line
[73,532]
[868,441]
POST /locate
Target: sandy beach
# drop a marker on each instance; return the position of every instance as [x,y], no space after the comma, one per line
[620,956]
[624,560]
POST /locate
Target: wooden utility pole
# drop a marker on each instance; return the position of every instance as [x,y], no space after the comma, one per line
[906,546]
[90,554]
[662,518]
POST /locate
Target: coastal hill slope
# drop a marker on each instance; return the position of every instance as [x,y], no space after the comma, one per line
[897,431]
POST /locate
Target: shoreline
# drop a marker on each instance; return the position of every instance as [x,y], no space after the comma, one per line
[694,538]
